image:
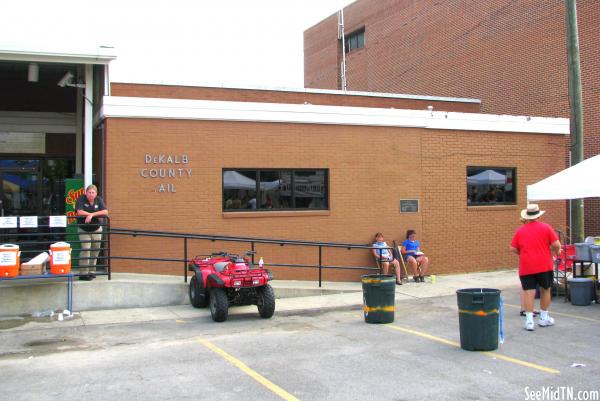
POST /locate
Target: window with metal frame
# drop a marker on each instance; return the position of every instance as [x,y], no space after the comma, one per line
[488,186]
[275,189]
[355,40]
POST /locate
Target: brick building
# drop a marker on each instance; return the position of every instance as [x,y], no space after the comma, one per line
[510,54]
[364,152]
[311,164]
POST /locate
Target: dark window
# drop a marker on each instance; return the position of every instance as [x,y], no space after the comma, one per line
[270,189]
[355,40]
[491,186]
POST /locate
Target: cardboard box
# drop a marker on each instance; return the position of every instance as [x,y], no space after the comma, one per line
[31,270]
[35,266]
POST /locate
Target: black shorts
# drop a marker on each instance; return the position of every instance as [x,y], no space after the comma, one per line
[543,279]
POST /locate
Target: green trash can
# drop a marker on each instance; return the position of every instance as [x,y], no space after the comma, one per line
[478,317]
[379,292]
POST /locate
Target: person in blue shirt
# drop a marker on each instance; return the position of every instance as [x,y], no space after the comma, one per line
[382,252]
[414,257]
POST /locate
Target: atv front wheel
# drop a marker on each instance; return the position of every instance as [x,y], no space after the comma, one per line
[218,305]
[197,294]
[265,301]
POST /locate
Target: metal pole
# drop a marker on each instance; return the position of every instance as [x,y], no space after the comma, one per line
[70,292]
[88,121]
[320,264]
[341,36]
[576,113]
[185,256]
[108,249]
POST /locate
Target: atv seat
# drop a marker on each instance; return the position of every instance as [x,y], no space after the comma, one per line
[219,266]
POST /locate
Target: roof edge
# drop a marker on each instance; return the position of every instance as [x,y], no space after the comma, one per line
[184,109]
[308,90]
[100,56]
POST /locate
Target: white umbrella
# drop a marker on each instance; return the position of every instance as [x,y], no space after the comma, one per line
[489,177]
[579,181]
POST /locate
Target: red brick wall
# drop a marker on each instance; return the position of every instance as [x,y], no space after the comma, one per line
[510,54]
[271,96]
[589,43]
[370,170]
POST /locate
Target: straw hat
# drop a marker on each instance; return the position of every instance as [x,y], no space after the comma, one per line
[532,212]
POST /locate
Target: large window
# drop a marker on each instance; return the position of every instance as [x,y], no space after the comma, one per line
[270,189]
[491,186]
[355,40]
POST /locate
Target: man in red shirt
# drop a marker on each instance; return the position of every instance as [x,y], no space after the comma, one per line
[536,243]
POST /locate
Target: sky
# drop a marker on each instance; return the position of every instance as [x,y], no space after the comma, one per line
[219,43]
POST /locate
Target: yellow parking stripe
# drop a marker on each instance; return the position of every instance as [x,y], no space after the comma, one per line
[253,374]
[488,353]
[520,362]
[562,314]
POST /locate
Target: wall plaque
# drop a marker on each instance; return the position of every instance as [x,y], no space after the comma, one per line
[409,205]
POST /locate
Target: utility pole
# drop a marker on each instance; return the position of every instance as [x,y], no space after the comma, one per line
[576,113]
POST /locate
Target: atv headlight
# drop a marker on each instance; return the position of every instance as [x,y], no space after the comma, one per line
[237,283]
[255,281]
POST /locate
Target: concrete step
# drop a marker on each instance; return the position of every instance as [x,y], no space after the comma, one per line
[127,290]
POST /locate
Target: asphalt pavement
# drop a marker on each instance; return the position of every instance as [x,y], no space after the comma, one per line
[316,347]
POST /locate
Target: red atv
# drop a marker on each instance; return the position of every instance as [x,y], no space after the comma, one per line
[223,280]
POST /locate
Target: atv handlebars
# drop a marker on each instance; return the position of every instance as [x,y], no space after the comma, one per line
[232,256]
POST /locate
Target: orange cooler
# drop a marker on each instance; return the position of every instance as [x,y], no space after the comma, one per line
[60,258]
[9,260]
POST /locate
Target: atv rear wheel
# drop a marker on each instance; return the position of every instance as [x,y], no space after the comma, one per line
[197,294]
[265,301]
[219,306]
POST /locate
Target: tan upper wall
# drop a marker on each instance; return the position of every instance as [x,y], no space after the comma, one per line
[291,97]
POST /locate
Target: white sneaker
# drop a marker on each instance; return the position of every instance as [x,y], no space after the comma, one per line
[546,322]
[529,326]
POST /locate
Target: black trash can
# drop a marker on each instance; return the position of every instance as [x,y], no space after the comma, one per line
[581,291]
[379,292]
[478,317]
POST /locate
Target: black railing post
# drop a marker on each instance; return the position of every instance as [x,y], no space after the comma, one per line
[320,264]
[108,249]
[252,249]
[185,256]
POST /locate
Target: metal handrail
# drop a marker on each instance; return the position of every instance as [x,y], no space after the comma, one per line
[251,240]
[36,240]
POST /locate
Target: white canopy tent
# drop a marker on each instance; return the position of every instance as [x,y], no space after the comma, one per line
[579,181]
[235,180]
[489,177]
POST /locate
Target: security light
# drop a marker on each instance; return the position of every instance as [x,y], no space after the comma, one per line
[67,80]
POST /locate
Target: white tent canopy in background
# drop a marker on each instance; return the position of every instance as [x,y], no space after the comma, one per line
[235,180]
[489,177]
[579,181]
